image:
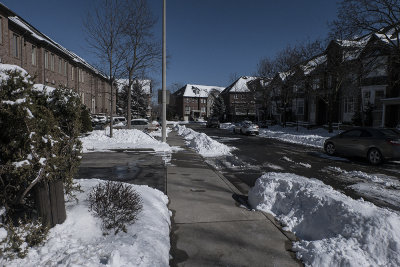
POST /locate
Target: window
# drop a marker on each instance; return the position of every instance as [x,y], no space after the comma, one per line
[1,30]
[72,73]
[187,100]
[15,45]
[378,96]
[315,83]
[46,60]
[235,96]
[52,58]
[367,96]
[59,65]
[65,67]
[34,60]
[352,133]
[83,76]
[349,105]
[203,109]
[187,109]
[300,107]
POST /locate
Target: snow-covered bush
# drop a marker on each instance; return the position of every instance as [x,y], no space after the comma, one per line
[38,144]
[117,204]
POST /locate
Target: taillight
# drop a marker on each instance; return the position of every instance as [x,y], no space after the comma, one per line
[394,142]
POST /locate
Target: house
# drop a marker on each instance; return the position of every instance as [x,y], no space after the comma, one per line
[50,63]
[194,102]
[239,99]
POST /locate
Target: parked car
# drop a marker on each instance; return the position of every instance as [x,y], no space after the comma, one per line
[212,122]
[246,127]
[374,144]
[144,125]
[119,121]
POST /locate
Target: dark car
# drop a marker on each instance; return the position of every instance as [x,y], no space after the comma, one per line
[376,145]
[213,122]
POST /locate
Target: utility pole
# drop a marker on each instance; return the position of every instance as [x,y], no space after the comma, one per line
[164,76]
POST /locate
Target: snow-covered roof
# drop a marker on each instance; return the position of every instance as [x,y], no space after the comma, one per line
[353,48]
[44,38]
[240,85]
[312,64]
[285,75]
[146,85]
[195,90]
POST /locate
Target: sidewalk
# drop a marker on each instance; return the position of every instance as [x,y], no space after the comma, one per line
[208,227]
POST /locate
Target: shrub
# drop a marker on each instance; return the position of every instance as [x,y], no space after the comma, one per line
[117,204]
[86,122]
[20,237]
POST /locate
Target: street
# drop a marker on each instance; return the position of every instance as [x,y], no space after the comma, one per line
[256,155]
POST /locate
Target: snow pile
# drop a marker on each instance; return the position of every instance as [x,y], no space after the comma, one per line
[303,136]
[99,140]
[335,230]
[79,240]
[203,144]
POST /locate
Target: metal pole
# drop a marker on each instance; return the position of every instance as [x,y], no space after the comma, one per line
[164,82]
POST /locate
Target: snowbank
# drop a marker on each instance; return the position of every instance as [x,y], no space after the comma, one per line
[203,144]
[304,136]
[335,230]
[79,240]
[99,140]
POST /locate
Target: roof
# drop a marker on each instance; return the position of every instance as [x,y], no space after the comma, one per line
[195,90]
[40,37]
[313,63]
[240,85]
[146,85]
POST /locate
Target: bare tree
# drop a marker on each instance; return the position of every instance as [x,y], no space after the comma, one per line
[104,28]
[142,52]
[360,17]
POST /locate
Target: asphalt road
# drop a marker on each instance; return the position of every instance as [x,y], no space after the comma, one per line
[256,155]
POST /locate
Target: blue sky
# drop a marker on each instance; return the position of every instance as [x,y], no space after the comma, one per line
[208,40]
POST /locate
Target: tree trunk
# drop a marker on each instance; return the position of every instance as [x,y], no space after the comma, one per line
[49,199]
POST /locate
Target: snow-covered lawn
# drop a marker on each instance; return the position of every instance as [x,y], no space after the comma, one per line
[335,230]
[203,144]
[303,136]
[79,240]
[99,140]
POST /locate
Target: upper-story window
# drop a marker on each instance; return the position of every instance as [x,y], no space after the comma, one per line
[315,83]
[235,96]
[52,58]
[59,65]
[34,55]
[1,30]
[46,59]
[65,67]
[72,73]
[16,46]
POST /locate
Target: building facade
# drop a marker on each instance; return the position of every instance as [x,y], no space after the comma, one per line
[51,64]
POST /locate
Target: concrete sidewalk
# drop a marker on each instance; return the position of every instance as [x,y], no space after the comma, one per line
[209,228]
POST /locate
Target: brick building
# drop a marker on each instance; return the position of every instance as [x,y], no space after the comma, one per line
[50,63]
[193,101]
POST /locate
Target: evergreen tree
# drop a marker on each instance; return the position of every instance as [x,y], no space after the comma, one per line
[218,108]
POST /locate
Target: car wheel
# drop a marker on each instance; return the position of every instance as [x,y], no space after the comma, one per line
[330,148]
[374,156]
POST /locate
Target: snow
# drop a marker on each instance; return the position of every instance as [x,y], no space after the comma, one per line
[79,241]
[7,67]
[146,85]
[377,186]
[303,136]
[99,140]
[335,230]
[195,90]
[43,88]
[203,144]
[16,102]
[311,65]
[240,85]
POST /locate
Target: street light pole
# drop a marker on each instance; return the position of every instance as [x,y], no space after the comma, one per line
[164,76]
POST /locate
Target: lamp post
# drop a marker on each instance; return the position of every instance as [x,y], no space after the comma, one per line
[164,82]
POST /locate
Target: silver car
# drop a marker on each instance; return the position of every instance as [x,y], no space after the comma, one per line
[246,127]
[376,145]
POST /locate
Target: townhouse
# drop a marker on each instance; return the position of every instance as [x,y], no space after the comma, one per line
[193,102]
[239,99]
[50,63]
